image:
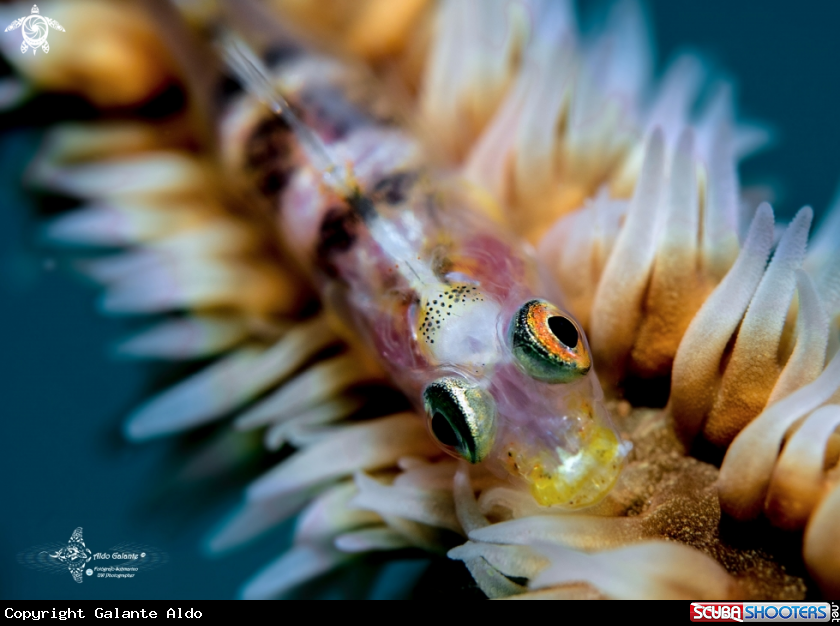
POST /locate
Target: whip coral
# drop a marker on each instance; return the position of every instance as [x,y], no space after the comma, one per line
[628,192]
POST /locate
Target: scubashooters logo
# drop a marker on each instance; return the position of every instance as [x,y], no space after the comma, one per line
[35,29]
[797,612]
[123,561]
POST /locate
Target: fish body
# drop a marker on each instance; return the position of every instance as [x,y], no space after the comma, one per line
[452,303]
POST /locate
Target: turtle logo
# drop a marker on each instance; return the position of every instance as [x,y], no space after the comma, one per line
[35,29]
[75,555]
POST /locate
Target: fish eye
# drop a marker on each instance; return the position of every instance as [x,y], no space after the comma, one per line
[461,417]
[548,344]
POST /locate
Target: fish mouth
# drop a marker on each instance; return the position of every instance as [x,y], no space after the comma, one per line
[576,478]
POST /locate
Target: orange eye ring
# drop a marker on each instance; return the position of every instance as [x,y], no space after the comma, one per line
[548,344]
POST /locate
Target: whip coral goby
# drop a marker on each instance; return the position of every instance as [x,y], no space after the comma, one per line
[643,241]
[450,305]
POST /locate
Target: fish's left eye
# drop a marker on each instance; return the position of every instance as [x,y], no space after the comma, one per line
[461,417]
[548,344]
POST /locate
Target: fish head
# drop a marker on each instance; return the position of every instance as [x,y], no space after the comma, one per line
[514,388]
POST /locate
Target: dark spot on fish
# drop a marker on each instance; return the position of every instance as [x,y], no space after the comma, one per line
[394,188]
[281,53]
[362,205]
[339,230]
[268,155]
[226,88]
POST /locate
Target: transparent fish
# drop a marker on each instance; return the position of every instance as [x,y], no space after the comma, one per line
[453,307]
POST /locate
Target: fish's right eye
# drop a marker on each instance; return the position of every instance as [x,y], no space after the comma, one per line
[461,417]
[547,343]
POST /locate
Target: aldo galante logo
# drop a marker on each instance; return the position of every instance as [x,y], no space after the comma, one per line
[75,555]
[35,29]
[122,562]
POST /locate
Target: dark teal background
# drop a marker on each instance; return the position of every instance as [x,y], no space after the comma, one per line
[63,462]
